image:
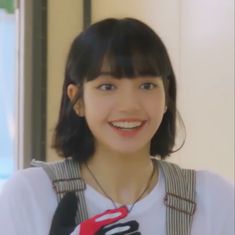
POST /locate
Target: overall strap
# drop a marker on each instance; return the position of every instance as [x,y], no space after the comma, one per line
[179,198]
[65,177]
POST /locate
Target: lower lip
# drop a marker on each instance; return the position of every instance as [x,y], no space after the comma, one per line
[127,133]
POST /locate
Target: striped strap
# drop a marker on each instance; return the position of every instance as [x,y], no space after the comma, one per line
[65,177]
[179,199]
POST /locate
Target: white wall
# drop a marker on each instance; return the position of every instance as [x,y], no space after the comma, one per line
[207,84]
[200,38]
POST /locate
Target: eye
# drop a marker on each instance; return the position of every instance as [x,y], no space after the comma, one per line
[106,87]
[148,86]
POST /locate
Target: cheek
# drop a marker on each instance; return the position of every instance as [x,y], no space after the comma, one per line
[156,110]
[96,107]
[157,103]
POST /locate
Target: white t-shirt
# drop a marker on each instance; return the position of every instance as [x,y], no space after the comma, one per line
[28,202]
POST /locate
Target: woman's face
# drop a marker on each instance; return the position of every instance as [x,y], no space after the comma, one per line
[123,114]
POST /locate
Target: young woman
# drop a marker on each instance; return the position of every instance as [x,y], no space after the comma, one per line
[118,111]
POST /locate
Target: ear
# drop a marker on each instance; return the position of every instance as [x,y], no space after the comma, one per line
[165,109]
[78,107]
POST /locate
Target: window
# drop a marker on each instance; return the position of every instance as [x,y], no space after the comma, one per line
[22,83]
[8,87]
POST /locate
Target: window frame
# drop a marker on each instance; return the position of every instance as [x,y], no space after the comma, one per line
[32,79]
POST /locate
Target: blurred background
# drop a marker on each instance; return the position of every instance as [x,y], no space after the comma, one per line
[35,36]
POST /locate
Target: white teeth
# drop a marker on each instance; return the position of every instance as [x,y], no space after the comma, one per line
[126,125]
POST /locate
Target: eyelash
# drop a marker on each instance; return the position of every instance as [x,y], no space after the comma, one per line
[150,84]
[104,86]
[111,87]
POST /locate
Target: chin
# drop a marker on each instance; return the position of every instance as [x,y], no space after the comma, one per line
[127,151]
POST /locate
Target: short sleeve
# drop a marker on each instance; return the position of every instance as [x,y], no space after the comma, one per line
[27,203]
[215,196]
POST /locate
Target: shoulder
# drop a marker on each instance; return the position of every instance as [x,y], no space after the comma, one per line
[213,185]
[215,202]
[27,186]
[26,179]
[206,182]
[27,195]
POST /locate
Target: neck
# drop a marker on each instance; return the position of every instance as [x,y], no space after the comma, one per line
[123,176]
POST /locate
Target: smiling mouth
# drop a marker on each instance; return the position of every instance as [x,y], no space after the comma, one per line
[127,125]
[127,128]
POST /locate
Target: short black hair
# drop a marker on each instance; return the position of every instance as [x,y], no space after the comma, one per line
[132,49]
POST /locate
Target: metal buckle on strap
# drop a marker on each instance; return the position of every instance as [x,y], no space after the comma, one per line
[180,204]
[67,185]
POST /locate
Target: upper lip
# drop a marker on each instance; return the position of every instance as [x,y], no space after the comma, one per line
[127,120]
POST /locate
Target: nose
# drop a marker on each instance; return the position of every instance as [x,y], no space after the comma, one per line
[128,100]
